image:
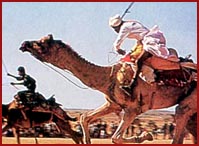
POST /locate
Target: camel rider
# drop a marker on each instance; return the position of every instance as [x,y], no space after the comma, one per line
[150,40]
[27,81]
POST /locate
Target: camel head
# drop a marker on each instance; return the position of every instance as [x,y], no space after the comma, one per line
[44,48]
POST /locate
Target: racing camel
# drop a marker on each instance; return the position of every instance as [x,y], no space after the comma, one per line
[105,79]
[37,116]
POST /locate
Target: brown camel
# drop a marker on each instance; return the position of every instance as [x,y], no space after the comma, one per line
[106,80]
[36,117]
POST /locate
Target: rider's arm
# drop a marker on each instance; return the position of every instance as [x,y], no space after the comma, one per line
[123,33]
[8,74]
[21,83]
[18,78]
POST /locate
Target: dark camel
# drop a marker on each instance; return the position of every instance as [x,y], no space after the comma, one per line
[106,80]
[35,117]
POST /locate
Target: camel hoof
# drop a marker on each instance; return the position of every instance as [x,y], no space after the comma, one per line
[149,136]
[116,141]
[146,136]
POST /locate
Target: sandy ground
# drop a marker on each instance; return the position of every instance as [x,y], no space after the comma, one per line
[158,117]
[12,140]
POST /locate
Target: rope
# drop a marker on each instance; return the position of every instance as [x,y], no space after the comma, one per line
[4,65]
[110,61]
[65,76]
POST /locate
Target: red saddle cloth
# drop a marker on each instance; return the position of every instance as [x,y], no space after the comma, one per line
[154,62]
[126,58]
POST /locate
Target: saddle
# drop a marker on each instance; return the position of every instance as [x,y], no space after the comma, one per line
[51,101]
[36,103]
[165,72]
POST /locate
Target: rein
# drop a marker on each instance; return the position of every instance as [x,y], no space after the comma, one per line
[110,60]
[66,78]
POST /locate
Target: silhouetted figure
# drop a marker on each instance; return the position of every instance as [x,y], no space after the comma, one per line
[171,130]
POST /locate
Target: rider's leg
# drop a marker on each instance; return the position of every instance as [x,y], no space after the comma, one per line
[30,97]
[158,48]
[136,54]
[21,97]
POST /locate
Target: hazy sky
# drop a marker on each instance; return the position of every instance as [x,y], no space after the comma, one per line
[85,27]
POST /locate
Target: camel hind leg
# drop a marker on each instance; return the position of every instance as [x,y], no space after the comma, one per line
[192,127]
[128,117]
[14,130]
[184,111]
[181,120]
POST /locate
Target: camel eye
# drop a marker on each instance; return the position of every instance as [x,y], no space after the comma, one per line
[35,45]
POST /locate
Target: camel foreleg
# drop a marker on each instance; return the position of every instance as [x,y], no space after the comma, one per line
[16,134]
[64,126]
[35,136]
[88,117]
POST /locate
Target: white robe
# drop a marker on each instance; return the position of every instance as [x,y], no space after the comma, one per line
[153,40]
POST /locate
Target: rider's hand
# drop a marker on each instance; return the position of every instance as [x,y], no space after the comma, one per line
[12,83]
[8,74]
[122,52]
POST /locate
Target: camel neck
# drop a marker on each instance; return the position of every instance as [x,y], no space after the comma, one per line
[94,76]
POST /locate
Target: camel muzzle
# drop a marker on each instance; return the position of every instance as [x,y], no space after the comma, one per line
[24,46]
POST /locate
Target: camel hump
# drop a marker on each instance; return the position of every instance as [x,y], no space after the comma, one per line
[167,64]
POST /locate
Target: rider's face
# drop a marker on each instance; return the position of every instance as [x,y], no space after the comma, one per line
[21,73]
[117,29]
